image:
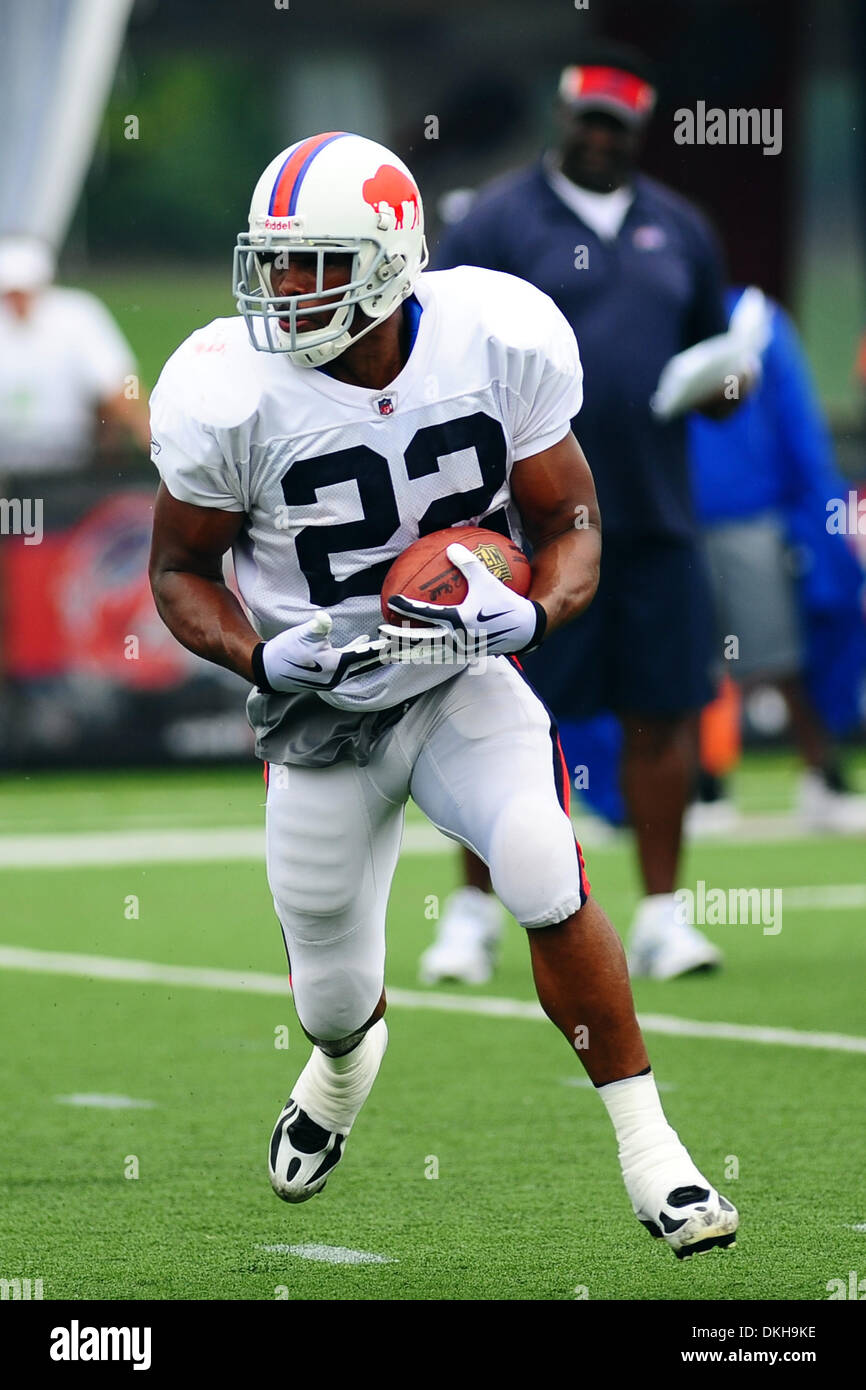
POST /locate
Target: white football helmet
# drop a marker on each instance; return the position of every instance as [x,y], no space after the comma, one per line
[340,194]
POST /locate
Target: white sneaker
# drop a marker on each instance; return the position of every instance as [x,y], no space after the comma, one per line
[662,947]
[466,945]
[822,808]
[704,819]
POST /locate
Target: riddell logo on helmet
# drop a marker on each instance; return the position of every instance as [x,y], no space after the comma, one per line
[279,224]
[389,187]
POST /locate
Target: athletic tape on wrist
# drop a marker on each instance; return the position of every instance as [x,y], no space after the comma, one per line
[540,629]
[258,665]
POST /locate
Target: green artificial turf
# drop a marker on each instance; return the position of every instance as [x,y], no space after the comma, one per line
[528,1202]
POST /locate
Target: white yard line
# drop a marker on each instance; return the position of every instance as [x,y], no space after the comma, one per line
[752,1033]
[139,971]
[824,896]
[103,1101]
[330,1254]
[97,848]
[253,982]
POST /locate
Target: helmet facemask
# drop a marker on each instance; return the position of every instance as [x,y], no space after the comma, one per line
[374,285]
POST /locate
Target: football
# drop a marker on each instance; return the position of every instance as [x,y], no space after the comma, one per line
[424,571]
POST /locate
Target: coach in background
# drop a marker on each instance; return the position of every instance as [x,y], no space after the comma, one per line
[64,369]
[637,273]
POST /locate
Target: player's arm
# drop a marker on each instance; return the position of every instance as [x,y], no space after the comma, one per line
[198,608]
[186,576]
[555,495]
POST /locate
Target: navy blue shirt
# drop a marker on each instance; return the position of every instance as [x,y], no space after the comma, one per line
[642,297]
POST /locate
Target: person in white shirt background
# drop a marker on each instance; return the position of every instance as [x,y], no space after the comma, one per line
[66,369]
[68,387]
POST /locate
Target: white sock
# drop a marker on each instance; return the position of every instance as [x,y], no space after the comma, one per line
[333,1089]
[647,1143]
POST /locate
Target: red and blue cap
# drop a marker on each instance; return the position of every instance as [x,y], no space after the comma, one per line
[605,83]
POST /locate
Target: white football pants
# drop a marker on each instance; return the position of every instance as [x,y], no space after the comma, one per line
[481,758]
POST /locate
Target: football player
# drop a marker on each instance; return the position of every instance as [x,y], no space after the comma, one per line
[356,405]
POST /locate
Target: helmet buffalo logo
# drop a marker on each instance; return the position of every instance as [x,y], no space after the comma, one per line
[389,187]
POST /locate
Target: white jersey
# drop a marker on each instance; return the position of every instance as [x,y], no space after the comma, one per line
[335,481]
[55,368]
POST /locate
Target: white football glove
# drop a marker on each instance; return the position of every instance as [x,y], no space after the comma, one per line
[302,658]
[491,620]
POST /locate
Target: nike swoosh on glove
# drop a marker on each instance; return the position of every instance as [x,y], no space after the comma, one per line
[302,658]
[491,620]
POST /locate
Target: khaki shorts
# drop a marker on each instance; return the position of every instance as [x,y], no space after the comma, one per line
[754,590]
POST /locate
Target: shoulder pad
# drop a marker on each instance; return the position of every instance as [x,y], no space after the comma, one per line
[213,375]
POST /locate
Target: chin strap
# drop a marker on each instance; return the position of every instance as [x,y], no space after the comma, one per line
[323,352]
[326,352]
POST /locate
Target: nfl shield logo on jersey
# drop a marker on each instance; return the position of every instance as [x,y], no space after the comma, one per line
[386,405]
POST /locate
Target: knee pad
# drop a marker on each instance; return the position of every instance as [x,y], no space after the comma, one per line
[534,862]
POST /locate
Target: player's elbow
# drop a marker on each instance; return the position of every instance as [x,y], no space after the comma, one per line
[160,574]
[155,567]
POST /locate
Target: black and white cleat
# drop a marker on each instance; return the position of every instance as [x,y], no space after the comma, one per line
[693,1220]
[302,1154]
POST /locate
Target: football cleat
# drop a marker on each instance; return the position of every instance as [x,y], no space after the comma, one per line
[692,1220]
[302,1154]
[704,819]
